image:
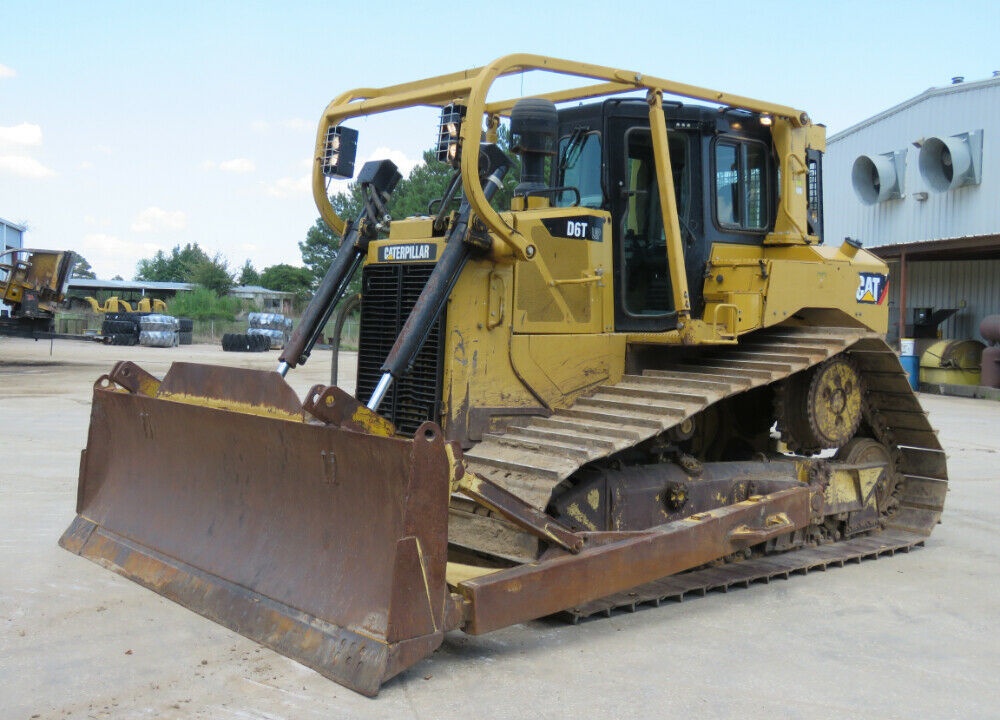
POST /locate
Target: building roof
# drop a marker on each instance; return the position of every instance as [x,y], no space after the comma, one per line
[954,88]
[8,223]
[150,286]
[84,284]
[257,290]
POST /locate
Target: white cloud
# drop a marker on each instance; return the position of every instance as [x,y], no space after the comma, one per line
[404,163]
[7,72]
[238,165]
[290,186]
[109,255]
[24,166]
[25,134]
[287,187]
[154,219]
[298,124]
[14,158]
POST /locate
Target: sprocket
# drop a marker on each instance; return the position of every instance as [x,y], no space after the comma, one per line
[822,407]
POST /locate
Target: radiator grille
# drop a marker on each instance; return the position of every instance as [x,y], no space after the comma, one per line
[388,294]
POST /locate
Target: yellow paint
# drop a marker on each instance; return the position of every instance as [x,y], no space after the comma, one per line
[559,368]
[594,499]
[771,284]
[457,573]
[567,287]
[456,468]
[853,486]
[373,422]
[149,386]
[232,406]
[577,514]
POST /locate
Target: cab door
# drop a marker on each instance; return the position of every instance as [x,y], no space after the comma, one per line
[643,291]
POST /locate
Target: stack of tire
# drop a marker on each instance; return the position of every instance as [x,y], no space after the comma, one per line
[275,326]
[185,334]
[159,331]
[238,342]
[121,328]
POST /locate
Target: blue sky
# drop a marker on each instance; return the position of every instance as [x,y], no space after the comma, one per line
[131,127]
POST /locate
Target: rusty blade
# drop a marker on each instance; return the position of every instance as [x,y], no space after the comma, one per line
[325,544]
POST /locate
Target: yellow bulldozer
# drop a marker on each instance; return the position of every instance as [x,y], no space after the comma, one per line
[645,375]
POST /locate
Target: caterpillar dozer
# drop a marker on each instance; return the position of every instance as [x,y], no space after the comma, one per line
[643,375]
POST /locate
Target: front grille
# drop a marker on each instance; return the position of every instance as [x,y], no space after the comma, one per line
[388,294]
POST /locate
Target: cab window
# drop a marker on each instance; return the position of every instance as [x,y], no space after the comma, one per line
[741,193]
[580,167]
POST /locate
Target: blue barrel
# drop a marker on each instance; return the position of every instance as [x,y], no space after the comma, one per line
[911,363]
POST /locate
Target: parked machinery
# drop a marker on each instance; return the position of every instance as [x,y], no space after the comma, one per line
[32,284]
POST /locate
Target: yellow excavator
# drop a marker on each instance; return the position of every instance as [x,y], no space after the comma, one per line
[645,375]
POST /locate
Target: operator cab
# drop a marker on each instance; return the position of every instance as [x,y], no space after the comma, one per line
[725,183]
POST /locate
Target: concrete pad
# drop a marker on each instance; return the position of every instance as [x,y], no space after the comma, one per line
[903,637]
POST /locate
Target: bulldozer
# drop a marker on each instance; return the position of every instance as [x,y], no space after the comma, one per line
[643,375]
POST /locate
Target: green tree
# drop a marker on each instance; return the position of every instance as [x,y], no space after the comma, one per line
[426,182]
[319,249]
[157,269]
[176,267]
[82,269]
[288,278]
[248,275]
[213,274]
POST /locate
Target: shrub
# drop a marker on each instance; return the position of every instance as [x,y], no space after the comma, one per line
[203,304]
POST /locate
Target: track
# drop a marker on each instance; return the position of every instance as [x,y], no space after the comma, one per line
[531,459]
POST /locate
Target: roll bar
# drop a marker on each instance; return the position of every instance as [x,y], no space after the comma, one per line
[793,130]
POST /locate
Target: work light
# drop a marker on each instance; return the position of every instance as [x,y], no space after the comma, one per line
[339,152]
[448,133]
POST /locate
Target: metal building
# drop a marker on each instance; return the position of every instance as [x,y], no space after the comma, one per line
[11,235]
[919,184]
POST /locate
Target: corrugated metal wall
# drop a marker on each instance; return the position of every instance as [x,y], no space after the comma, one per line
[968,211]
[970,285]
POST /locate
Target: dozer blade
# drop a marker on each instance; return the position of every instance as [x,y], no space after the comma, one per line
[217,490]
